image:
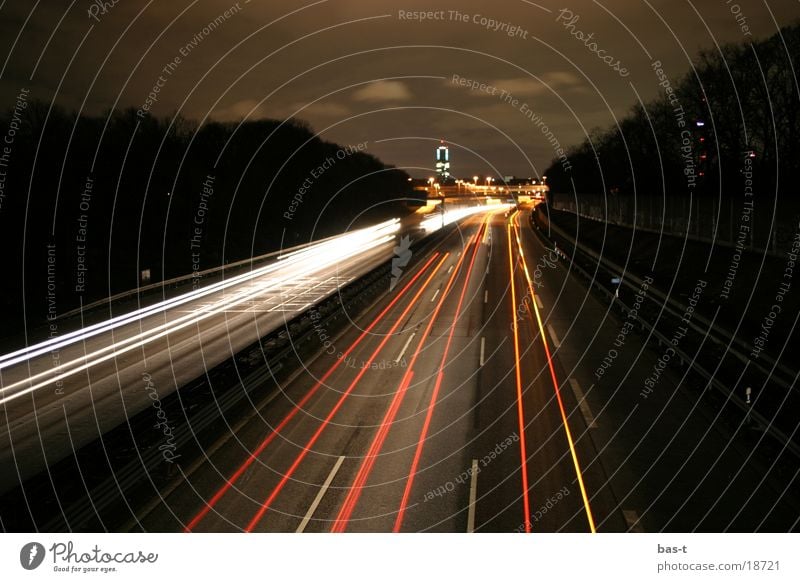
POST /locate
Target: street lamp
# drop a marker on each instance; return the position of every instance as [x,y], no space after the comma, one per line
[441,196]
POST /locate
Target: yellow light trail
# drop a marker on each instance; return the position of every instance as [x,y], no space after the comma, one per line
[520,409]
[513,219]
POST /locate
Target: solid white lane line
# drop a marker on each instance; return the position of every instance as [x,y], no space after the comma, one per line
[483,350]
[553,335]
[632,519]
[208,453]
[434,296]
[405,347]
[320,495]
[538,302]
[582,404]
[473,494]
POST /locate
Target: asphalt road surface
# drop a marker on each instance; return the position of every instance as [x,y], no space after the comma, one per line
[466,399]
[60,395]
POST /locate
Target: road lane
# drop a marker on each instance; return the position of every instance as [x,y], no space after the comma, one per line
[358,413]
[456,429]
[345,368]
[171,347]
[424,396]
[673,459]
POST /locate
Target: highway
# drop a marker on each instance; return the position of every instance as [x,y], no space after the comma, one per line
[423,418]
[465,399]
[67,391]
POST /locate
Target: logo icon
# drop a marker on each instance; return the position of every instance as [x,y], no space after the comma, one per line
[402,254]
[31,555]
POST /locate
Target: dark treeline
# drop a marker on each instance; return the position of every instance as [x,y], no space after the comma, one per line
[737,110]
[90,202]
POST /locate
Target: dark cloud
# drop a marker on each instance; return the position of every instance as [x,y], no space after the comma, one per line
[383,91]
[375,71]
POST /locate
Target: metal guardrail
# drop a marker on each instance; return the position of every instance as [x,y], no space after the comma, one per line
[720,336]
[707,219]
[674,308]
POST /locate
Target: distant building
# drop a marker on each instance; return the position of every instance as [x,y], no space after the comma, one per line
[525,189]
[443,163]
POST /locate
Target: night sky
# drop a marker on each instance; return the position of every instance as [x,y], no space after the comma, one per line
[374,72]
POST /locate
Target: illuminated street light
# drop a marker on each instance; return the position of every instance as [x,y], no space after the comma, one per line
[441,204]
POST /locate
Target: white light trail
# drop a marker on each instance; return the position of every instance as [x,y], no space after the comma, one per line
[435,222]
[302,264]
[85,333]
